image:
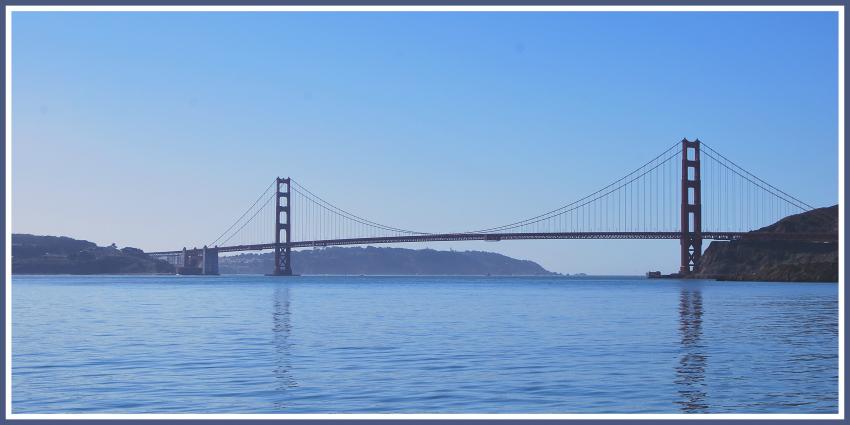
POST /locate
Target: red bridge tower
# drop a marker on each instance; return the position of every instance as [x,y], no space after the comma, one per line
[282,252]
[691,239]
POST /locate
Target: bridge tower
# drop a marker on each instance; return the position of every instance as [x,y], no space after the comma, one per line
[691,239]
[282,252]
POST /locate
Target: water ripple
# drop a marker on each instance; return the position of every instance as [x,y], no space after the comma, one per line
[252,344]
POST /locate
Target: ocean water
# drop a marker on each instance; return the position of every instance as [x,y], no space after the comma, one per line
[256,344]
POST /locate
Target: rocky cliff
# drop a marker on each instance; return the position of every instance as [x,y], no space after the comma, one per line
[785,261]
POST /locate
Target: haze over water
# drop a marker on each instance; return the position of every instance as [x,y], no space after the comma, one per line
[255,344]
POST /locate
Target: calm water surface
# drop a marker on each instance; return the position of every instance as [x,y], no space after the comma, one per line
[253,344]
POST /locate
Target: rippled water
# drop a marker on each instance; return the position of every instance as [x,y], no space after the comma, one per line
[255,344]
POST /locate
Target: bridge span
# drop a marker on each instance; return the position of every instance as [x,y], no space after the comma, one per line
[663,199]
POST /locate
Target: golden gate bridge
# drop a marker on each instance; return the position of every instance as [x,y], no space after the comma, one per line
[689,192]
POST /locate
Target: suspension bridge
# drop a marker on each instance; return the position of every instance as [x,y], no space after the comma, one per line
[689,192]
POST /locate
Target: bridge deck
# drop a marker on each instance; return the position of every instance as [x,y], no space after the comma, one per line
[816,237]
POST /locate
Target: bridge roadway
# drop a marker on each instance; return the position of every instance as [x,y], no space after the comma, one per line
[436,237]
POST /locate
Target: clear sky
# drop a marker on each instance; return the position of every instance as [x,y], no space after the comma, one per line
[156,130]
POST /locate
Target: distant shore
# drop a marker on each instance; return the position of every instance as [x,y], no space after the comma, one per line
[52,255]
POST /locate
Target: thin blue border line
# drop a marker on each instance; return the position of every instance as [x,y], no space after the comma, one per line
[423,3]
[6,3]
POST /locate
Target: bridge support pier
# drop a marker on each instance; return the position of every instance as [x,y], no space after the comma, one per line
[691,214]
[210,261]
[283,251]
[193,262]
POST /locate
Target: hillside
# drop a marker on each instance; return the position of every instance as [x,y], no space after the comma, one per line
[32,254]
[785,261]
[385,261]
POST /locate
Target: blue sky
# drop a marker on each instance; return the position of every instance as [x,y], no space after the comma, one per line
[157,130]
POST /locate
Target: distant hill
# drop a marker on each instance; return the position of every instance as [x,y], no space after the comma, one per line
[32,254]
[784,261]
[385,261]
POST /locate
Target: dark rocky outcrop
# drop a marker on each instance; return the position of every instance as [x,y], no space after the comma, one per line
[784,261]
[32,254]
[385,261]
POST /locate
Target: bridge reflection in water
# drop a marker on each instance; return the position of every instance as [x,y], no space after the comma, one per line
[281,331]
[690,373]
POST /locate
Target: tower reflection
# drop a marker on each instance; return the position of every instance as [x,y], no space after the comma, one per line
[690,373]
[281,329]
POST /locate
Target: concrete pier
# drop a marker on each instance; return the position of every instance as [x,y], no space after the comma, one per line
[210,261]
